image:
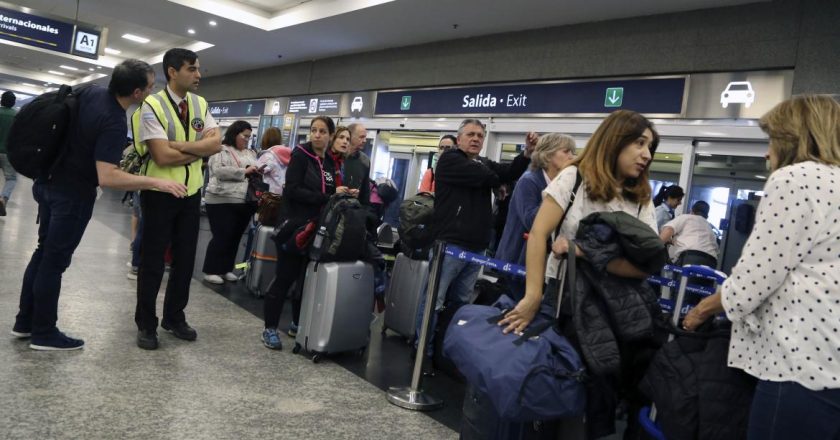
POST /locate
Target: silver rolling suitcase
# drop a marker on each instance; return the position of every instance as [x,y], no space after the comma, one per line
[262,262]
[336,308]
[403,296]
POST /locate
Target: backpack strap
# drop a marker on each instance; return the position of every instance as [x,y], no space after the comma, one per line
[578,181]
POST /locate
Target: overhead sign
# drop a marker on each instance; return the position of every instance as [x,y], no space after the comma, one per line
[357,105]
[652,96]
[327,105]
[33,30]
[738,94]
[86,43]
[237,109]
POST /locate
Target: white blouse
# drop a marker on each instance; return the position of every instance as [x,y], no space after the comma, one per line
[784,294]
[560,189]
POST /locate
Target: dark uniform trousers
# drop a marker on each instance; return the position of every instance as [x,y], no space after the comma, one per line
[166,219]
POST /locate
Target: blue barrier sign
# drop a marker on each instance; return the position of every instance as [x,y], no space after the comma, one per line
[652,96]
[36,31]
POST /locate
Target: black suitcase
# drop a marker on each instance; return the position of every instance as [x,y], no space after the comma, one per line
[479,421]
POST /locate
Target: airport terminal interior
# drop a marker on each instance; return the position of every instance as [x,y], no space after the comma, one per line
[408,71]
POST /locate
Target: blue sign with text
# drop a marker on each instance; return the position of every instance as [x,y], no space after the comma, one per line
[662,96]
[33,30]
[235,109]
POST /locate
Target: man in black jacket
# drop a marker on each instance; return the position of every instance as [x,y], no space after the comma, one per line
[463,211]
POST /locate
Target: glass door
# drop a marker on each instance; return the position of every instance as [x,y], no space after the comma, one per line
[398,170]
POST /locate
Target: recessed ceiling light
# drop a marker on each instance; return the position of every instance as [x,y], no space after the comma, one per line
[98,67]
[68,67]
[704,154]
[213,22]
[90,68]
[759,176]
[30,85]
[110,51]
[191,31]
[136,38]
[55,72]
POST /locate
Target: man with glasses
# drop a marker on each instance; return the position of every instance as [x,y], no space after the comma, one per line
[93,150]
[463,214]
[175,128]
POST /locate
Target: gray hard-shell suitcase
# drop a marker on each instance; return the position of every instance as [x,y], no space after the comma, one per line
[335,313]
[403,296]
[262,262]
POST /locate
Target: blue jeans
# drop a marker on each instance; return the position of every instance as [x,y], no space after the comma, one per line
[457,282]
[10,176]
[787,410]
[64,214]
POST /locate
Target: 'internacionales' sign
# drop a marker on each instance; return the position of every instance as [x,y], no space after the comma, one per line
[46,33]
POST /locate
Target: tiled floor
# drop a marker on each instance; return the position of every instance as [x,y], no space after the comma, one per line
[225,385]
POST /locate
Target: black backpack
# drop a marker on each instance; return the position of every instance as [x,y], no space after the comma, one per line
[342,231]
[39,131]
[416,222]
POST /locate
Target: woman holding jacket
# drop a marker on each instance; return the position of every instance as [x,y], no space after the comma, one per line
[783,294]
[227,210]
[310,181]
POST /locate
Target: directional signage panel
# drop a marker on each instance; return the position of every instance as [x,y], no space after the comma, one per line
[237,109]
[328,105]
[652,96]
[33,30]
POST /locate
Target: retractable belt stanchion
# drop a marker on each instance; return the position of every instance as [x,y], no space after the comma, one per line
[413,397]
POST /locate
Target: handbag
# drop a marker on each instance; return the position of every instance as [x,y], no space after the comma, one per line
[534,376]
[256,188]
[269,208]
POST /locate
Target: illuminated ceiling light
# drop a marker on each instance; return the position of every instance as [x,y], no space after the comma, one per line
[191,31]
[91,69]
[213,22]
[759,176]
[29,85]
[704,154]
[136,38]
[98,67]
[55,72]
[68,67]
[110,51]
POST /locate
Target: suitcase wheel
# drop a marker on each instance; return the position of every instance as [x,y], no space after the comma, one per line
[316,358]
[296,349]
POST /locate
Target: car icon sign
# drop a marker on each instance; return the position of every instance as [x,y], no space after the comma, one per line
[357,104]
[738,92]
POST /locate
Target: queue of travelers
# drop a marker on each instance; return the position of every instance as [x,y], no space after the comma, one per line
[598,205]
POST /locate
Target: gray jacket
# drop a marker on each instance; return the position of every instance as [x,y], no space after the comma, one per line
[227,175]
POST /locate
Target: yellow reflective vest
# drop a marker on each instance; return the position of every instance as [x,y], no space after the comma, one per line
[167,114]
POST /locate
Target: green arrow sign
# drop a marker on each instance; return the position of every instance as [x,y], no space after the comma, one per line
[614,97]
[405,103]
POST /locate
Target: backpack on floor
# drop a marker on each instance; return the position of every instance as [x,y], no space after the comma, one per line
[416,218]
[38,133]
[342,232]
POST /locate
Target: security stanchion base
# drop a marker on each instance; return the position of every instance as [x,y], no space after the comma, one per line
[413,400]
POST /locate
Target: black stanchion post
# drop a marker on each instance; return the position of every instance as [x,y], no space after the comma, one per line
[413,397]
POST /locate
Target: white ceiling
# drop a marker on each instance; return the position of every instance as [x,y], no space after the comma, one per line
[303,29]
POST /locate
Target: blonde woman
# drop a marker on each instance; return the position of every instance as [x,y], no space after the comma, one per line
[783,296]
[553,152]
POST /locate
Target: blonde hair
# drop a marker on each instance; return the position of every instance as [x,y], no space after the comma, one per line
[600,157]
[547,145]
[804,128]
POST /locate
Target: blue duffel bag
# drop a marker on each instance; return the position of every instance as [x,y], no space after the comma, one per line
[528,377]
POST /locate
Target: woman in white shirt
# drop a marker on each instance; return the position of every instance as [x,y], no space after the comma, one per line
[783,296]
[614,170]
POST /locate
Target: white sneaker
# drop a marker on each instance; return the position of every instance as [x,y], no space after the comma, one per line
[213,279]
[232,277]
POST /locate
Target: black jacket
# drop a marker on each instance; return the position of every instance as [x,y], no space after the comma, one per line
[697,395]
[310,181]
[463,204]
[612,321]
[357,175]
